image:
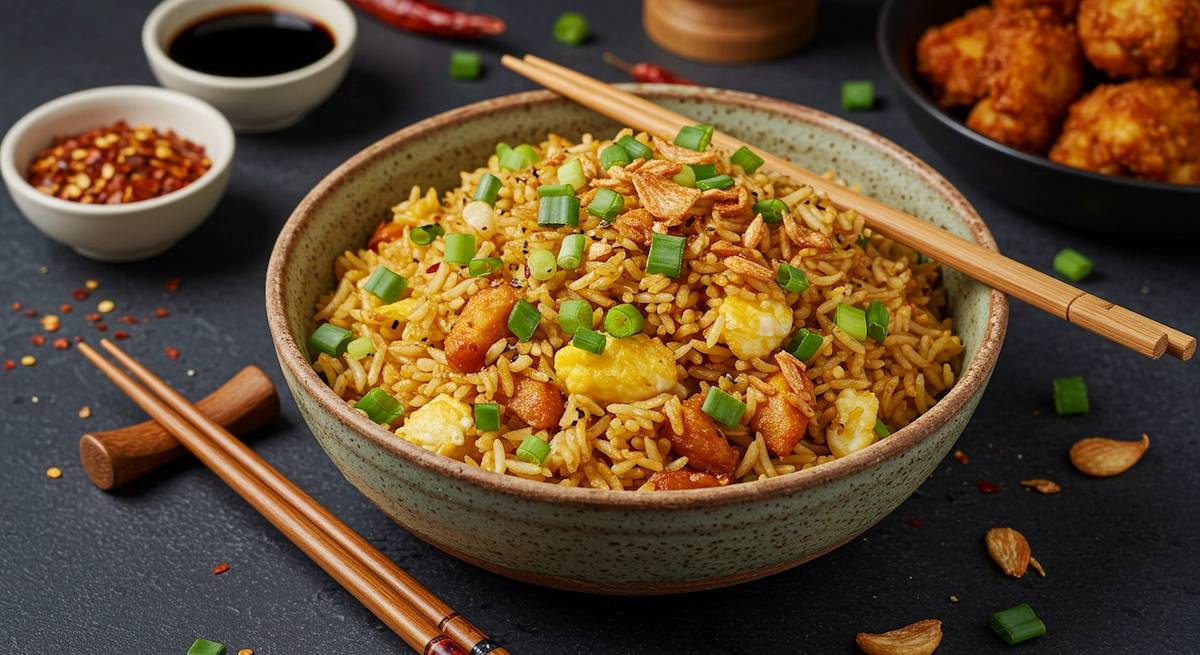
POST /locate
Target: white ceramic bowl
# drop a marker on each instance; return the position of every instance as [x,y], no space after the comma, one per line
[253,104]
[132,231]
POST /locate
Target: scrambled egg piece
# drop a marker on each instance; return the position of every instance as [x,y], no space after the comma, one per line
[418,209]
[631,369]
[754,329]
[440,426]
[397,311]
[856,416]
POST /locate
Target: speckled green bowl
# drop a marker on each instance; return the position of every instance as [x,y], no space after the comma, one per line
[607,542]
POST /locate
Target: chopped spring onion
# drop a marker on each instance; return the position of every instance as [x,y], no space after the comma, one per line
[502,148]
[772,210]
[330,339]
[718,182]
[1070,396]
[882,431]
[858,95]
[1017,624]
[571,28]
[558,210]
[746,158]
[361,347]
[1072,265]
[380,406]
[574,314]
[386,285]
[424,235]
[570,254]
[206,647]
[487,416]
[623,321]
[484,267]
[685,177]
[533,450]
[862,241]
[614,155]
[528,152]
[805,344]
[877,321]
[460,248]
[589,340]
[551,190]
[694,137]
[791,278]
[666,255]
[704,171]
[515,159]
[606,204]
[635,148]
[524,319]
[542,265]
[464,65]
[724,408]
[572,173]
[852,320]
[489,187]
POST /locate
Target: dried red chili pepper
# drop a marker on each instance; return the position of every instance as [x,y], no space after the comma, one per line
[987,487]
[37,339]
[91,317]
[433,268]
[431,18]
[172,284]
[220,568]
[61,344]
[31,313]
[647,72]
[9,365]
[64,308]
[160,312]
[128,319]
[16,307]
[100,327]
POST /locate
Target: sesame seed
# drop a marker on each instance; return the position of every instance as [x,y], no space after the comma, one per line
[106,306]
[28,360]
[54,473]
[92,284]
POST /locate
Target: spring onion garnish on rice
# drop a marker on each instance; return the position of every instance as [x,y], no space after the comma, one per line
[772,210]
[614,155]
[882,431]
[386,285]
[488,189]
[551,190]
[718,182]
[704,171]
[380,406]
[487,416]
[527,151]
[524,319]
[606,204]
[571,29]
[745,158]
[558,210]
[572,173]
[464,65]
[877,321]
[862,241]
[1017,624]
[685,177]
[635,148]
[623,321]
[724,408]
[570,254]
[804,344]
[484,267]
[574,314]
[460,248]
[694,137]
[852,320]
[666,255]
[1070,396]
[858,95]
[361,347]
[206,647]
[791,278]
[589,340]
[542,265]
[533,450]
[330,339]
[1072,265]
[424,235]
[511,159]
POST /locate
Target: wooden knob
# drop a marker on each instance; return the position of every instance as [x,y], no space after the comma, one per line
[247,402]
[730,31]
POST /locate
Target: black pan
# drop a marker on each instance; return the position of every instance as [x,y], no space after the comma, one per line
[1058,193]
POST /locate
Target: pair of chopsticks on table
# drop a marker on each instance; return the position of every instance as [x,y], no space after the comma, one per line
[1110,321]
[409,609]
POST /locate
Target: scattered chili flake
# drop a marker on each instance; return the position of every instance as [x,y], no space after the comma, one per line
[120,335]
[106,306]
[145,319]
[61,344]
[173,353]
[86,412]
[916,523]
[31,313]
[1042,485]
[100,327]
[9,365]
[80,294]
[91,317]
[16,307]
[434,268]
[64,308]
[160,313]
[961,456]
[78,339]
[92,284]
[987,487]
[173,284]
[128,319]
[220,568]
[37,339]
[54,473]
[28,360]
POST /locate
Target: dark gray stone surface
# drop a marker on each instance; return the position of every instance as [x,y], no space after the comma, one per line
[85,571]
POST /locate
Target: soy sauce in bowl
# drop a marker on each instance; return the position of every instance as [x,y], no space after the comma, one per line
[251,42]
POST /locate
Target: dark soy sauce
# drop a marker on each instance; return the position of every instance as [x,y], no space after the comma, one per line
[251,42]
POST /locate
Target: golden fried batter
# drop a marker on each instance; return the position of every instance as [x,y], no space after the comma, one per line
[1064,8]
[950,58]
[1033,70]
[1146,128]
[1137,38]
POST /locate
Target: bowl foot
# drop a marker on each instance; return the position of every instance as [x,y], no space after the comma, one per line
[129,256]
[269,125]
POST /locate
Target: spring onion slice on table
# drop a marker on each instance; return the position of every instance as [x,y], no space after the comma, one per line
[465,65]
[330,339]
[380,406]
[386,285]
[524,319]
[1072,265]
[724,408]
[589,340]
[1070,396]
[666,255]
[571,28]
[858,95]
[1017,624]
[623,321]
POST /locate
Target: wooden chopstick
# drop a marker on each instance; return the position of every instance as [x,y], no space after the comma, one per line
[342,553]
[1113,322]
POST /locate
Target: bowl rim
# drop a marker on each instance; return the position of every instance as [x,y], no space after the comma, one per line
[293,360]
[219,130]
[886,46]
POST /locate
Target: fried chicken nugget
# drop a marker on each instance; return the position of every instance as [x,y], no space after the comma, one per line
[950,58]
[1146,128]
[1138,38]
[1063,8]
[1033,70]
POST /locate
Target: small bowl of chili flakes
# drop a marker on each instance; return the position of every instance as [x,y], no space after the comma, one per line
[118,173]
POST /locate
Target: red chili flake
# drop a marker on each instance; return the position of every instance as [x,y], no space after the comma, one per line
[160,313]
[220,568]
[10,365]
[64,308]
[92,317]
[173,353]
[961,456]
[37,339]
[78,339]
[100,327]
[61,344]
[120,335]
[434,268]
[916,523]
[128,319]
[987,487]
[80,294]
[145,319]
[173,284]
[16,307]
[31,313]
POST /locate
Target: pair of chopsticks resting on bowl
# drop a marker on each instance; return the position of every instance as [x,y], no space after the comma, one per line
[1110,321]
[409,609]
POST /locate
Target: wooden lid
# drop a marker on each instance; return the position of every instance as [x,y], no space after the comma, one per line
[730,31]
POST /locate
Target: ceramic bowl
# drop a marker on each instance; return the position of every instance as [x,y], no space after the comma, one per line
[126,232]
[598,541]
[253,104]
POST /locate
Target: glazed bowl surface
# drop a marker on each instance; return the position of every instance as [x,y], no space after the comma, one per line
[604,541]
